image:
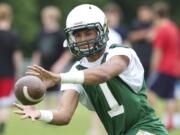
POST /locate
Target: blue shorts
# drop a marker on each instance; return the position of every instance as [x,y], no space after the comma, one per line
[163,85]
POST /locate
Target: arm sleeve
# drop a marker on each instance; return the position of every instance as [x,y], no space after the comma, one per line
[160,39]
[119,51]
[133,75]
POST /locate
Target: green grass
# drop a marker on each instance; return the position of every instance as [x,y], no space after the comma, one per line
[161,106]
[78,126]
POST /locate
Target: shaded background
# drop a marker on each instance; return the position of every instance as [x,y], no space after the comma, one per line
[27,14]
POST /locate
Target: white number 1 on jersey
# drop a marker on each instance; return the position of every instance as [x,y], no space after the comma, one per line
[116,109]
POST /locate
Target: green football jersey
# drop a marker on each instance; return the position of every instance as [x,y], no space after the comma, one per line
[121,109]
[121,103]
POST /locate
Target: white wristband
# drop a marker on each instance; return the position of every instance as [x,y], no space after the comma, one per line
[72,77]
[46,116]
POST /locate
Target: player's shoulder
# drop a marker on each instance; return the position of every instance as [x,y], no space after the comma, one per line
[11,36]
[9,33]
[118,47]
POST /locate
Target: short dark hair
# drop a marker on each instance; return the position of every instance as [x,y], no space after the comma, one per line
[161,9]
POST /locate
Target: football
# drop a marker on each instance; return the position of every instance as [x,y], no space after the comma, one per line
[29,90]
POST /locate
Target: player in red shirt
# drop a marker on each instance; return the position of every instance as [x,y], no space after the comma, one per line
[165,59]
[10,62]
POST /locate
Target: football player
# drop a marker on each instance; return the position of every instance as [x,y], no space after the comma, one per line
[109,80]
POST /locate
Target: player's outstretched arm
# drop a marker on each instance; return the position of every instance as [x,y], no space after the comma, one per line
[96,75]
[99,74]
[113,67]
[61,116]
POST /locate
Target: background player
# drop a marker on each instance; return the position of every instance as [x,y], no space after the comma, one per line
[48,48]
[10,62]
[165,61]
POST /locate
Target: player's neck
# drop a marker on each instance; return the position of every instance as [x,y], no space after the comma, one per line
[161,21]
[95,57]
[4,25]
[52,28]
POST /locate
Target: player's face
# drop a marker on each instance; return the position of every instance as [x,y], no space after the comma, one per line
[85,36]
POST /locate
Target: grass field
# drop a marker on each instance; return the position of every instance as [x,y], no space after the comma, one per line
[78,125]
